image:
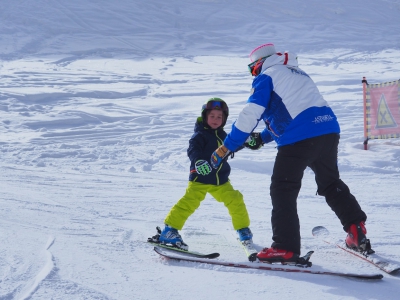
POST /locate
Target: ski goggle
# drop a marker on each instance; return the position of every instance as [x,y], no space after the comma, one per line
[214,104]
[255,66]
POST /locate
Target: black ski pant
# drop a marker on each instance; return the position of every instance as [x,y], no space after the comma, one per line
[319,154]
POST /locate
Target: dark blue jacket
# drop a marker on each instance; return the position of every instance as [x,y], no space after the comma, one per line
[201,145]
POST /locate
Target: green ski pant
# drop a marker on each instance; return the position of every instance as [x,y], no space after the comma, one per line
[196,192]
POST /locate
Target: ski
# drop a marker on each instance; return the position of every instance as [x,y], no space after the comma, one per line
[249,249]
[378,261]
[154,240]
[185,252]
[261,266]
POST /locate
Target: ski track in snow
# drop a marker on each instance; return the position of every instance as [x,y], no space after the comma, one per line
[33,284]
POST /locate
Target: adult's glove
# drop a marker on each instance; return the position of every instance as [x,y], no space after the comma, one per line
[202,167]
[218,156]
[254,141]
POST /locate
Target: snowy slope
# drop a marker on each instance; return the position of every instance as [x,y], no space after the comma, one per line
[106,28]
[97,102]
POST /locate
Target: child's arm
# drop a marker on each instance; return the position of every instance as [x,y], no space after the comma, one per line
[196,155]
[196,148]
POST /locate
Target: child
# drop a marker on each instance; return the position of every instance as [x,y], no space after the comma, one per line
[208,135]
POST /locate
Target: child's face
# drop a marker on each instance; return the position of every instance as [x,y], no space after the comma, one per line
[215,118]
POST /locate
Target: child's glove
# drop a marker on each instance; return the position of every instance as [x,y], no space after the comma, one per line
[254,141]
[218,156]
[202,167]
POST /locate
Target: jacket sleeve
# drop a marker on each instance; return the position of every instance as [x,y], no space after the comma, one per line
[266,136]
[251,114]
[196,148]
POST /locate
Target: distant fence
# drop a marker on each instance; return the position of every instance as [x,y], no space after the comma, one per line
[381,110]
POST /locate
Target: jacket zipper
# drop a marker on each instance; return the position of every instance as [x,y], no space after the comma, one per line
[220,142]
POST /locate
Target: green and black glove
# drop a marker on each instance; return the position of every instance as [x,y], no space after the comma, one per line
[202,167]
[254,141]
